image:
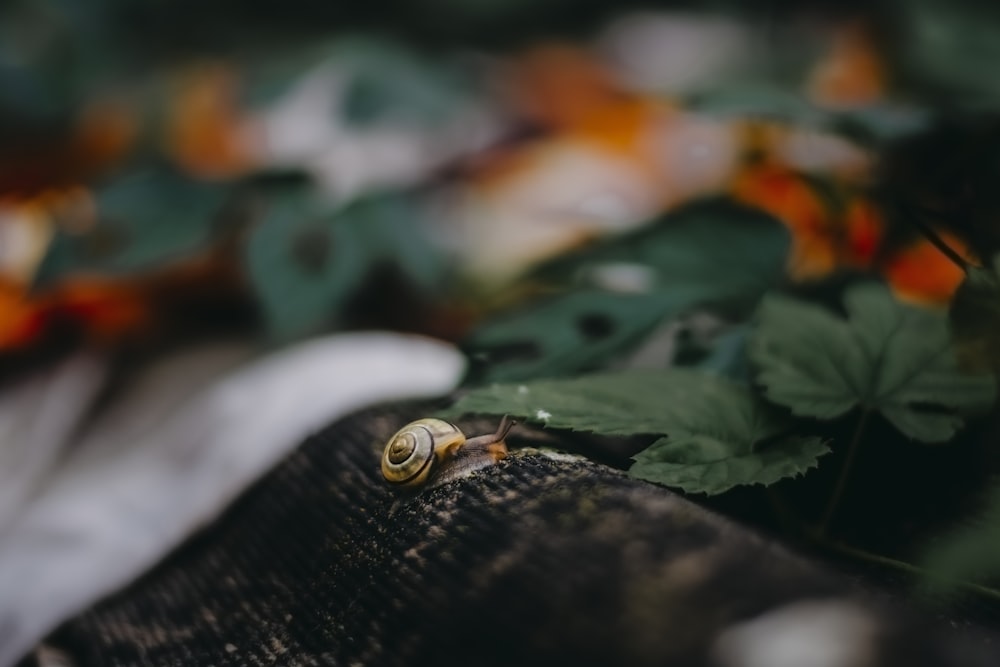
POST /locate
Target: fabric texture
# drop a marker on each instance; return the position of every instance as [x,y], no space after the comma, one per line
[540,559]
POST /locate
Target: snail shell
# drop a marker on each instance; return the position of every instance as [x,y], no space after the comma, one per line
[416,449]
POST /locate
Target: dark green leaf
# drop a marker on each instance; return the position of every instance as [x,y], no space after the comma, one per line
[575,331]
[307,257]
[368,81]
[975,318]
[876,125]
[719,434]
[706,254]
[763,101]
[388,83]
[886,356]
[392,229]
[728,354]
[53,57]
[714,463]
[952,45]
[971,552]
[144,219]
[302,263]
[625,402]
[710,251]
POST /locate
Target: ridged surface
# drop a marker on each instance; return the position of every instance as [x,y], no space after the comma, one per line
[536,560]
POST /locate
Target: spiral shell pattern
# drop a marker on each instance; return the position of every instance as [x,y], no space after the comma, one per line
[411,454]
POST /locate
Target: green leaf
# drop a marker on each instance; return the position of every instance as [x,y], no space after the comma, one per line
[571,332]
[144,219]
[707,252]
[391,226]
[971,552]
[54,56]
[876,125]
[302,264]
[713,253]
[306,257]
[370,81]
[390,83]
[757,100]
[951,46]
[886,356]
[713,464]
[975,318]
[718,434]
[727,354]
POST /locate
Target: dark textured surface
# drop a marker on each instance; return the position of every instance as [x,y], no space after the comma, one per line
[533,561]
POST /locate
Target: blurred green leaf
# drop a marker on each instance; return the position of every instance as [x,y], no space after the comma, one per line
[718,434]
[367,80]
[878,124]
[975,318]
[737,100]
[710,254]
[969,553]
[952,46]
[727,354]
[392,229]
[708,251]
[54,55]
[390,84]
[572,332]
[144,219]
[307,257]
[886,356]
[302,263]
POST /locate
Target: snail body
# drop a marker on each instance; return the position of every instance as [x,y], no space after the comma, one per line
[417,451]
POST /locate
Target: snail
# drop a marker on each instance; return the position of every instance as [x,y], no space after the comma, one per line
[418,450]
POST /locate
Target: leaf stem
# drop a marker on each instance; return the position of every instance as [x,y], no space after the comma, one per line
[845,473]
[936,240]
[909,568]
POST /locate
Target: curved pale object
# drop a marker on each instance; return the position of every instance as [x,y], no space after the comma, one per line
[143,479]
[38,417]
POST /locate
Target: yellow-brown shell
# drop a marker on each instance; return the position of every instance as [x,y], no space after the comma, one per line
[416,449]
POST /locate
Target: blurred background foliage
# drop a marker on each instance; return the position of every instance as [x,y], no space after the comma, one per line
[142,140]
[551,184]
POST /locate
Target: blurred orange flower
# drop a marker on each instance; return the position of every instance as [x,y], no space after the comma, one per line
[921,273]
[789,197]
[864,230]
[206,132]
[104,310]
[568,91]
[852,73]
[20,323]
